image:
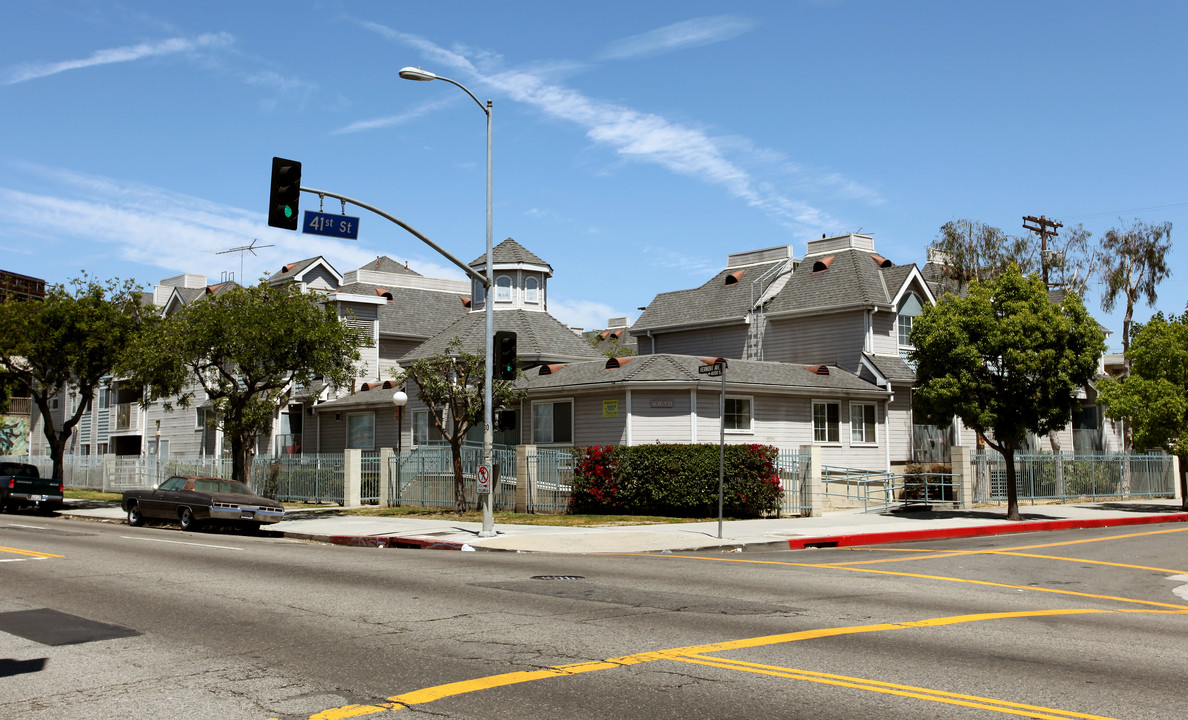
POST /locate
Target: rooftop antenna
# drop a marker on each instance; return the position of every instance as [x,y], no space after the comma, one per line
[245,248]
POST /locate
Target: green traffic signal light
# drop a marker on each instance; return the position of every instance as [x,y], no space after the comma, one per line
[285,193]
[505,353]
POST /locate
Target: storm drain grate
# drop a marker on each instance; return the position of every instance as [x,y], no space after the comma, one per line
[558,577]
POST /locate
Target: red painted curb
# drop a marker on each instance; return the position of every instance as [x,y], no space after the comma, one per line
[395,542]
[1003,529]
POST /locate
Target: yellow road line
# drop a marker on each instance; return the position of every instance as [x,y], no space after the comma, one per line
[30,553]
[972,701]
[920,576]
[438,692]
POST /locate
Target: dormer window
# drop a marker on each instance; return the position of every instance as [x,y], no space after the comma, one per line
[503,289]
[909,309]
[531,290]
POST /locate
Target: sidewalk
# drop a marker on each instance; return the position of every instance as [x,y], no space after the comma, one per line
[835,529]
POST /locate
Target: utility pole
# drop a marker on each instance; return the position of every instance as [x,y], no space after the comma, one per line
[1045,228]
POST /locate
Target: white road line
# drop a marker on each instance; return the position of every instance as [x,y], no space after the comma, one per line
[34,527]
[179,542]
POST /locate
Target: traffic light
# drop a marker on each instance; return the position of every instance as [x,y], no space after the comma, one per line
[505,419]
[505,355]
[286,194]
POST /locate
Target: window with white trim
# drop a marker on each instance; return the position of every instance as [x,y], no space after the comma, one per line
[531,290]
[503,288]
[863,423]
[738,415]
[361,431]
[909,309]
[480,291]
[552,422]
[826,419]
[420,427]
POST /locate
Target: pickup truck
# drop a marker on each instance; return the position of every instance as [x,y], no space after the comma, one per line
[22,485]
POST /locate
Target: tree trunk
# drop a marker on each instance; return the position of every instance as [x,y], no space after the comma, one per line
[57,454]
[242,452]
[1184,482]
[459,489]
[1058,458]
[1008,456]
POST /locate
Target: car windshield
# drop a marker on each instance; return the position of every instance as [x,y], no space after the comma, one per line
[221,486]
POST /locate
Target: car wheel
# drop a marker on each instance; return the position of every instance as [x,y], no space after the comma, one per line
[135,519]
[186,518]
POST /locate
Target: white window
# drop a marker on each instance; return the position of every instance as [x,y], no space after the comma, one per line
[200,418]
[503,289]
[909,309]
[101,448]
[738,414]
[862,423]
[479,293]
[423,429]
[54,403]
[531,290]
[826,417]
[552,422]
[361,431]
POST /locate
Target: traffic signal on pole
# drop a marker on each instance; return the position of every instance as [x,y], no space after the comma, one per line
[505,355]
[286,194]
[505,419]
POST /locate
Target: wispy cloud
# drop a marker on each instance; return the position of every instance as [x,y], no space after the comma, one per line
[129,53]
[397,119]
[584,314]
[689,33]
[724,161]
[147,225]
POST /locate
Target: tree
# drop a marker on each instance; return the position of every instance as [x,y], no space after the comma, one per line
[451,385]
[972,251]
[1006,360]
[1134,262]
[66,342]
[245,348]
[1153,398]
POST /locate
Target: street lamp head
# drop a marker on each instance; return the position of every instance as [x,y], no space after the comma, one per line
[400,398]
[412,73]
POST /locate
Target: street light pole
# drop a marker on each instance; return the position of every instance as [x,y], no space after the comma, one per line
[412,73]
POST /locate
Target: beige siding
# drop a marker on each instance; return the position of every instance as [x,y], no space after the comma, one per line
[592,427]
[727,342]
[886,333]
[820,339]
[899,426]
[660,416]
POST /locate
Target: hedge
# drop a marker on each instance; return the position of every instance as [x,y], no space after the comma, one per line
[675,480]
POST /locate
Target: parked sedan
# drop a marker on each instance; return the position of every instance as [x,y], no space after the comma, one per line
[192,501]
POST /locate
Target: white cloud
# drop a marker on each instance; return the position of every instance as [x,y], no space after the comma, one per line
[32,71]
[584,314]
[689,33]
[391,120]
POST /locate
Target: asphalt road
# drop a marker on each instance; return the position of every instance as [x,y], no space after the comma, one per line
[100,620]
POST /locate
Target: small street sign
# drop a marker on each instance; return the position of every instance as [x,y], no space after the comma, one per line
[331,225]
[484,480]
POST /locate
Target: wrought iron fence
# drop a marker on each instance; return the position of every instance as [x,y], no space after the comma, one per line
[424,476]
[301,478]
[793,472]
[550,480]
[1064,477]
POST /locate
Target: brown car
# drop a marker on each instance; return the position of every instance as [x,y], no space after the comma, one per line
[192,501]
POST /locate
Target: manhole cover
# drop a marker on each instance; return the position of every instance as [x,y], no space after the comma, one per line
[558,577]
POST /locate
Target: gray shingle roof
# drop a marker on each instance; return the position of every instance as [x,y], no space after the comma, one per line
[539,337]
[683,369]
[893,368]
[511,252]
[386,264]
[293,269]
[853,278]
[715,300]
[412,312]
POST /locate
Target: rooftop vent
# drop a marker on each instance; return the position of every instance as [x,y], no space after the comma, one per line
[615,362]
[734,277]
[823,264]
[549,369]
[817,369]
[881,261]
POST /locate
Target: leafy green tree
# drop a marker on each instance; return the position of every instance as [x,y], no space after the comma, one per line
[246,349]
[451,385]
[1153,398]
[1006,360]
[66,342]
[1135,262]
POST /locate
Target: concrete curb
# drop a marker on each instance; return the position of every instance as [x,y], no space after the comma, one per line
[879,538]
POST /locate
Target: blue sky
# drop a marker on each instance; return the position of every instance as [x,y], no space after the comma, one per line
[636,144]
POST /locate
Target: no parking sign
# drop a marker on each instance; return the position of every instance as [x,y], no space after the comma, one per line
[484,480]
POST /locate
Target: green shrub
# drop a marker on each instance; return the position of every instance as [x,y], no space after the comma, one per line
[678,480]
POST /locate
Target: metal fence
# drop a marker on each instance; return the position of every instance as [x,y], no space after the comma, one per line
[550,480]
[793,470]
[1064,477]
[424,477]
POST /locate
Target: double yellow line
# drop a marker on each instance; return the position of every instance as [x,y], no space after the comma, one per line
[30,553]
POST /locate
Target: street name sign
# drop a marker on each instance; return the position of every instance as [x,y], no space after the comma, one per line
[331,225]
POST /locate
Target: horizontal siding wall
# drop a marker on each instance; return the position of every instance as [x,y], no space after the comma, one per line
[886,333]
[660,416]
[899,426]
[820,339]
[593,426]
[727,342]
